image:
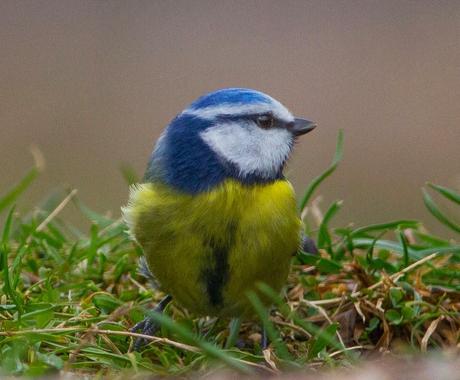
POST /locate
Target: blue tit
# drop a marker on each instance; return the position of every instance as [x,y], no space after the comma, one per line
[214,214]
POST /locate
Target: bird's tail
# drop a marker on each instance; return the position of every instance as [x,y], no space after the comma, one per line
[144,270]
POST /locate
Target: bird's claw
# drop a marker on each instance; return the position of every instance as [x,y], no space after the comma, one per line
[148,326]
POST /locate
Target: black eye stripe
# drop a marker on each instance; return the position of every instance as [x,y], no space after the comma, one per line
[265,121]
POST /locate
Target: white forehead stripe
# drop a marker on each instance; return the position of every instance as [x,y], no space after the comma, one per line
[274,107]
[252,149]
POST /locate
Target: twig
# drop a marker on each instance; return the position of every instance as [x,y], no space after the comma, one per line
[394,277]
[147,337]
[139,285]
[96,331]
[292,326]
[325,315]
[345,349]
[111,225]
[42,331]
[57,210]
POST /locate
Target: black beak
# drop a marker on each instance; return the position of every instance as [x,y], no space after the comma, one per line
[301,126]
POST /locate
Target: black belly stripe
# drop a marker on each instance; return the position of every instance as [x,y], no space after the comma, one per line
[216,272]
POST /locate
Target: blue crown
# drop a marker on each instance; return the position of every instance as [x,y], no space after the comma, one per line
[182,159]
[230,96]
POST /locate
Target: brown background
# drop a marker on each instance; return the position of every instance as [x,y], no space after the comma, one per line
[92,83]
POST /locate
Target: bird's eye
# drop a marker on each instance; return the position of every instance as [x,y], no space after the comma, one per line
[264,121]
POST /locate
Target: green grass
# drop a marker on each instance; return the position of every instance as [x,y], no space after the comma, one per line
[68,297]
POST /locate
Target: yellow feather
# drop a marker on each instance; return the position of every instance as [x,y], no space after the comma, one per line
[254,231]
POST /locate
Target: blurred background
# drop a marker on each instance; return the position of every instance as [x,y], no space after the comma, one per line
[93,83]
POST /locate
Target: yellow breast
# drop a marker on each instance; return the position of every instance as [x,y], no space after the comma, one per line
[208,250]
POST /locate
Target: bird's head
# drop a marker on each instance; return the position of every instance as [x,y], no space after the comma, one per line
[231,133]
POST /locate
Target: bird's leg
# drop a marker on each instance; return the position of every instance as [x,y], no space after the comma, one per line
[149,326]
[308,245]
[265,342]
[234,328]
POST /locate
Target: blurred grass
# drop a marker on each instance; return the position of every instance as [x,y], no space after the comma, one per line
[68,297]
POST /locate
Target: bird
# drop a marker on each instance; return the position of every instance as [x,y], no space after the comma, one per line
[214,213]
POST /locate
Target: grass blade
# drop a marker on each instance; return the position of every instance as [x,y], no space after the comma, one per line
[7,227]
[437,213]
[272,333]
[405,249]
[235,325]
[324,239]
[315,331]
[323,340]
[370,250]
[4,250]
[402,223]
[10,197]
[446,192]
[397,248]
[317,181]
[208,348]
[99,219]
[430,239]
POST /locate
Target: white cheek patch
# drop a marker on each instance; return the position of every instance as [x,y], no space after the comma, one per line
[252,149]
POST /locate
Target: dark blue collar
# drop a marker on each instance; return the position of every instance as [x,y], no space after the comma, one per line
[184,161]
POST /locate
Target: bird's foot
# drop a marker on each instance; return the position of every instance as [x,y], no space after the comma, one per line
[149,325]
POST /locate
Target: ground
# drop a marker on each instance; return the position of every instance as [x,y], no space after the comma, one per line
[69,297]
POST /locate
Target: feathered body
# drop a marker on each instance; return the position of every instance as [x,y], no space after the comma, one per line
[208,250]
[215,215]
